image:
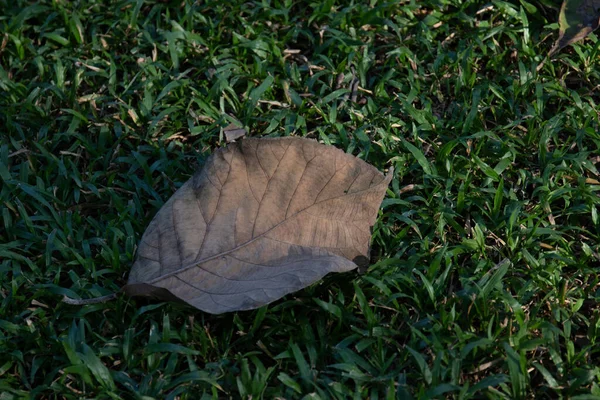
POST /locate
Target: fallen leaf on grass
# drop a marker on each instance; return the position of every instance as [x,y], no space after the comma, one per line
[577,19]
[263,218]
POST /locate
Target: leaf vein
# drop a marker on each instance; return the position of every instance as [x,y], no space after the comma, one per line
[195,263]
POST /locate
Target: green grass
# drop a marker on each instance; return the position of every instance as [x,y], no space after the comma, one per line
[106,108]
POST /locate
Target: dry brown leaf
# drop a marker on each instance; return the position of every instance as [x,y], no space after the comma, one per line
[263,218]
[577,19]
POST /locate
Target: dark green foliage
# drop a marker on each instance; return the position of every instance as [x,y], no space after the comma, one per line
[106,107]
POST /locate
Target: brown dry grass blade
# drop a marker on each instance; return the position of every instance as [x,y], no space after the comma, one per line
[233,132]
[263,218]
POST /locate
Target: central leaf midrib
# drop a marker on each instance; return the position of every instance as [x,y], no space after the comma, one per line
[196,263]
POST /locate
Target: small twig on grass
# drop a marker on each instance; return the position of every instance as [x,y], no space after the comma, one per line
[84,302]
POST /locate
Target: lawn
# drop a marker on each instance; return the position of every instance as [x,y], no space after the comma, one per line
[483,281]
